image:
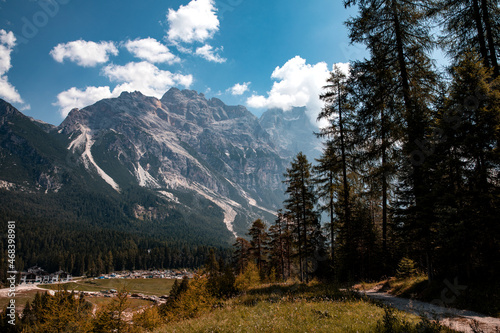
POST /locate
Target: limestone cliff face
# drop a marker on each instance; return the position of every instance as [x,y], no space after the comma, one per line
[184,148]
[181,142]
[292,132]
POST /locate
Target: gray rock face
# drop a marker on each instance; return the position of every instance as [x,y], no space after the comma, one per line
[181,142]
[180,147]
[292,132]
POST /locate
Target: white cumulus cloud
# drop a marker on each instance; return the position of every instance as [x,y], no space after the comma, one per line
[195,22]
[151,50]
[141,76]
[145,77]
[7,90]
[239,89]
[207,52]
[297,84]
[7,43]
[76,98]
[84,53]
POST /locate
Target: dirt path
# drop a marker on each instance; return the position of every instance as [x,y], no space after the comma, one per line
[459,320]
[19,288]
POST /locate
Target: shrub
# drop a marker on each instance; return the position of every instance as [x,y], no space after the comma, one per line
[149,319]
[406,268]
[249,278]
[189,303]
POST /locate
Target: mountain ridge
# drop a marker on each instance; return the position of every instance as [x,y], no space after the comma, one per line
[180,147]
[185,143]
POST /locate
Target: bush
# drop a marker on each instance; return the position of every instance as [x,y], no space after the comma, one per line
[189,303]
[406,268]
[249,278]
[390,323]
[149,319]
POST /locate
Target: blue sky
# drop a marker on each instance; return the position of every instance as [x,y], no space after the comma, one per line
[60,54]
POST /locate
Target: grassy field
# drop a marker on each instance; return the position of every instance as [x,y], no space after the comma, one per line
[21,298]
[403,287]
[301,316]
[156,287]
[292,309]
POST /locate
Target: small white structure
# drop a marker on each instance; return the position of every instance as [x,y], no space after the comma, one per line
[36,274]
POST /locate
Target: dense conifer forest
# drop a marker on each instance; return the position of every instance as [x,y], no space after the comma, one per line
[410,165]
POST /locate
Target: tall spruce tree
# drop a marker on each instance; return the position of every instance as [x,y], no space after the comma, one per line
[470,25]
[377,128]
[300,207]
[258,244]
[241,254]
[278,240]
[326,177]
[397,35]
[466,178]
[338,131]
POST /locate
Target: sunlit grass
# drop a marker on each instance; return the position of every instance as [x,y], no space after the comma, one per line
[157,287]
[300,316]
[21,298]
[290,308]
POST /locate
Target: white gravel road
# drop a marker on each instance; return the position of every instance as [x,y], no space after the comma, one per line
[459,320]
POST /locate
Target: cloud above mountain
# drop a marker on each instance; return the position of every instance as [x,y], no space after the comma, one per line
[145,77]
[190,27]
[7,90]
[297,84]
[134,76]
[239,88]
[195,22]
[76,98]
[84,53]
[151,50]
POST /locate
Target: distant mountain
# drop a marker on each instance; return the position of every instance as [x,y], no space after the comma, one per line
[179,167]
[212,166]
[30,158]
[292,132]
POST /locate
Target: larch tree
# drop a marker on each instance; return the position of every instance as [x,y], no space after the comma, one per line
[338,131]
[397,35]
[300,206]
[326,172]
[258,243]
[470,26]
[466,173]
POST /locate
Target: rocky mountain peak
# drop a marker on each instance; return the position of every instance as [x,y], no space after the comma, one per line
[292,132]
[174,95]
[7,110]
[135,94]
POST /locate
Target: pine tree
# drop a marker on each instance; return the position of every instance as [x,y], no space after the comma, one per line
[470,26]
[300,207]
[466,172]
[326,178]
[258,244]
[280,245]
[241,254]
[397,35]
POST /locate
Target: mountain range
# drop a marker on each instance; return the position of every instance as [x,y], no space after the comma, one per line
[182,166]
